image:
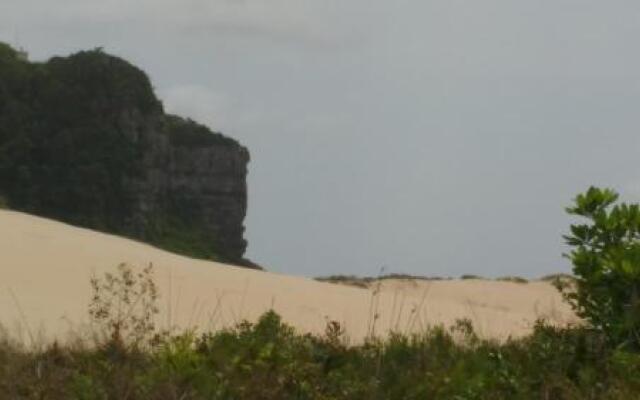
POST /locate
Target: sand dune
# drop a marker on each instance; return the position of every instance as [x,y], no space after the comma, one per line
[45,267]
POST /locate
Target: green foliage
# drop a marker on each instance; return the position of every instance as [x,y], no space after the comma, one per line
[180,230]
[368,281]
[514,279]
[269,360]
[470,276]
[557,278]
[606,263]
[349,280]
[63,154]
[63,150]
[188,133]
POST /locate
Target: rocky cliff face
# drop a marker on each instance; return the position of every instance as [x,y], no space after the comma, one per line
[213,179]
[196,175]
[83,139]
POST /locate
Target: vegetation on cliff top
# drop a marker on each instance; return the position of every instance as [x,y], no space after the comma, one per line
[72,144]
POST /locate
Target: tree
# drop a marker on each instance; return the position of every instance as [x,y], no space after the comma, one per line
[606,262]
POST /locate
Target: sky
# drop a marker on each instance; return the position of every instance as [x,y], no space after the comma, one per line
[429,137]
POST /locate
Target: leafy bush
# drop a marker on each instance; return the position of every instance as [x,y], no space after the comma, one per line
[514,279]
[470,276]
[606,263]
[557,277]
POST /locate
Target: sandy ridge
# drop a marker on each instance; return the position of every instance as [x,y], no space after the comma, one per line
[45,267]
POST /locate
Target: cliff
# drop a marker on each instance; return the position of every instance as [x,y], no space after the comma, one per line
[84,139]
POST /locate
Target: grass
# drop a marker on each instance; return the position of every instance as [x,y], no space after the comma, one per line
[270,360]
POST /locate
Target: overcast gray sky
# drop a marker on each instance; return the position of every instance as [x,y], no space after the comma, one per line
[434,137]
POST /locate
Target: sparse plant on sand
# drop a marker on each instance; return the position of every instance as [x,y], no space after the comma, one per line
[123,305]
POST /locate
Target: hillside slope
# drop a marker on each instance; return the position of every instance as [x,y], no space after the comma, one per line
[45,267]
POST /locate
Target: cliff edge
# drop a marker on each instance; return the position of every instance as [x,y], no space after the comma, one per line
[84,139]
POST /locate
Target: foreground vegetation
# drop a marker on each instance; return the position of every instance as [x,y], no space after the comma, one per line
[129,359]
[269,360]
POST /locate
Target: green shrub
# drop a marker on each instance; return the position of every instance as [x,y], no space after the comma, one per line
[470,276]
[349,280]
[123,305]
[514,279]
[606,262]
[557,277]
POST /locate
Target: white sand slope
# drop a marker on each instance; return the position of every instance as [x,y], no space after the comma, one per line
[45,267]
